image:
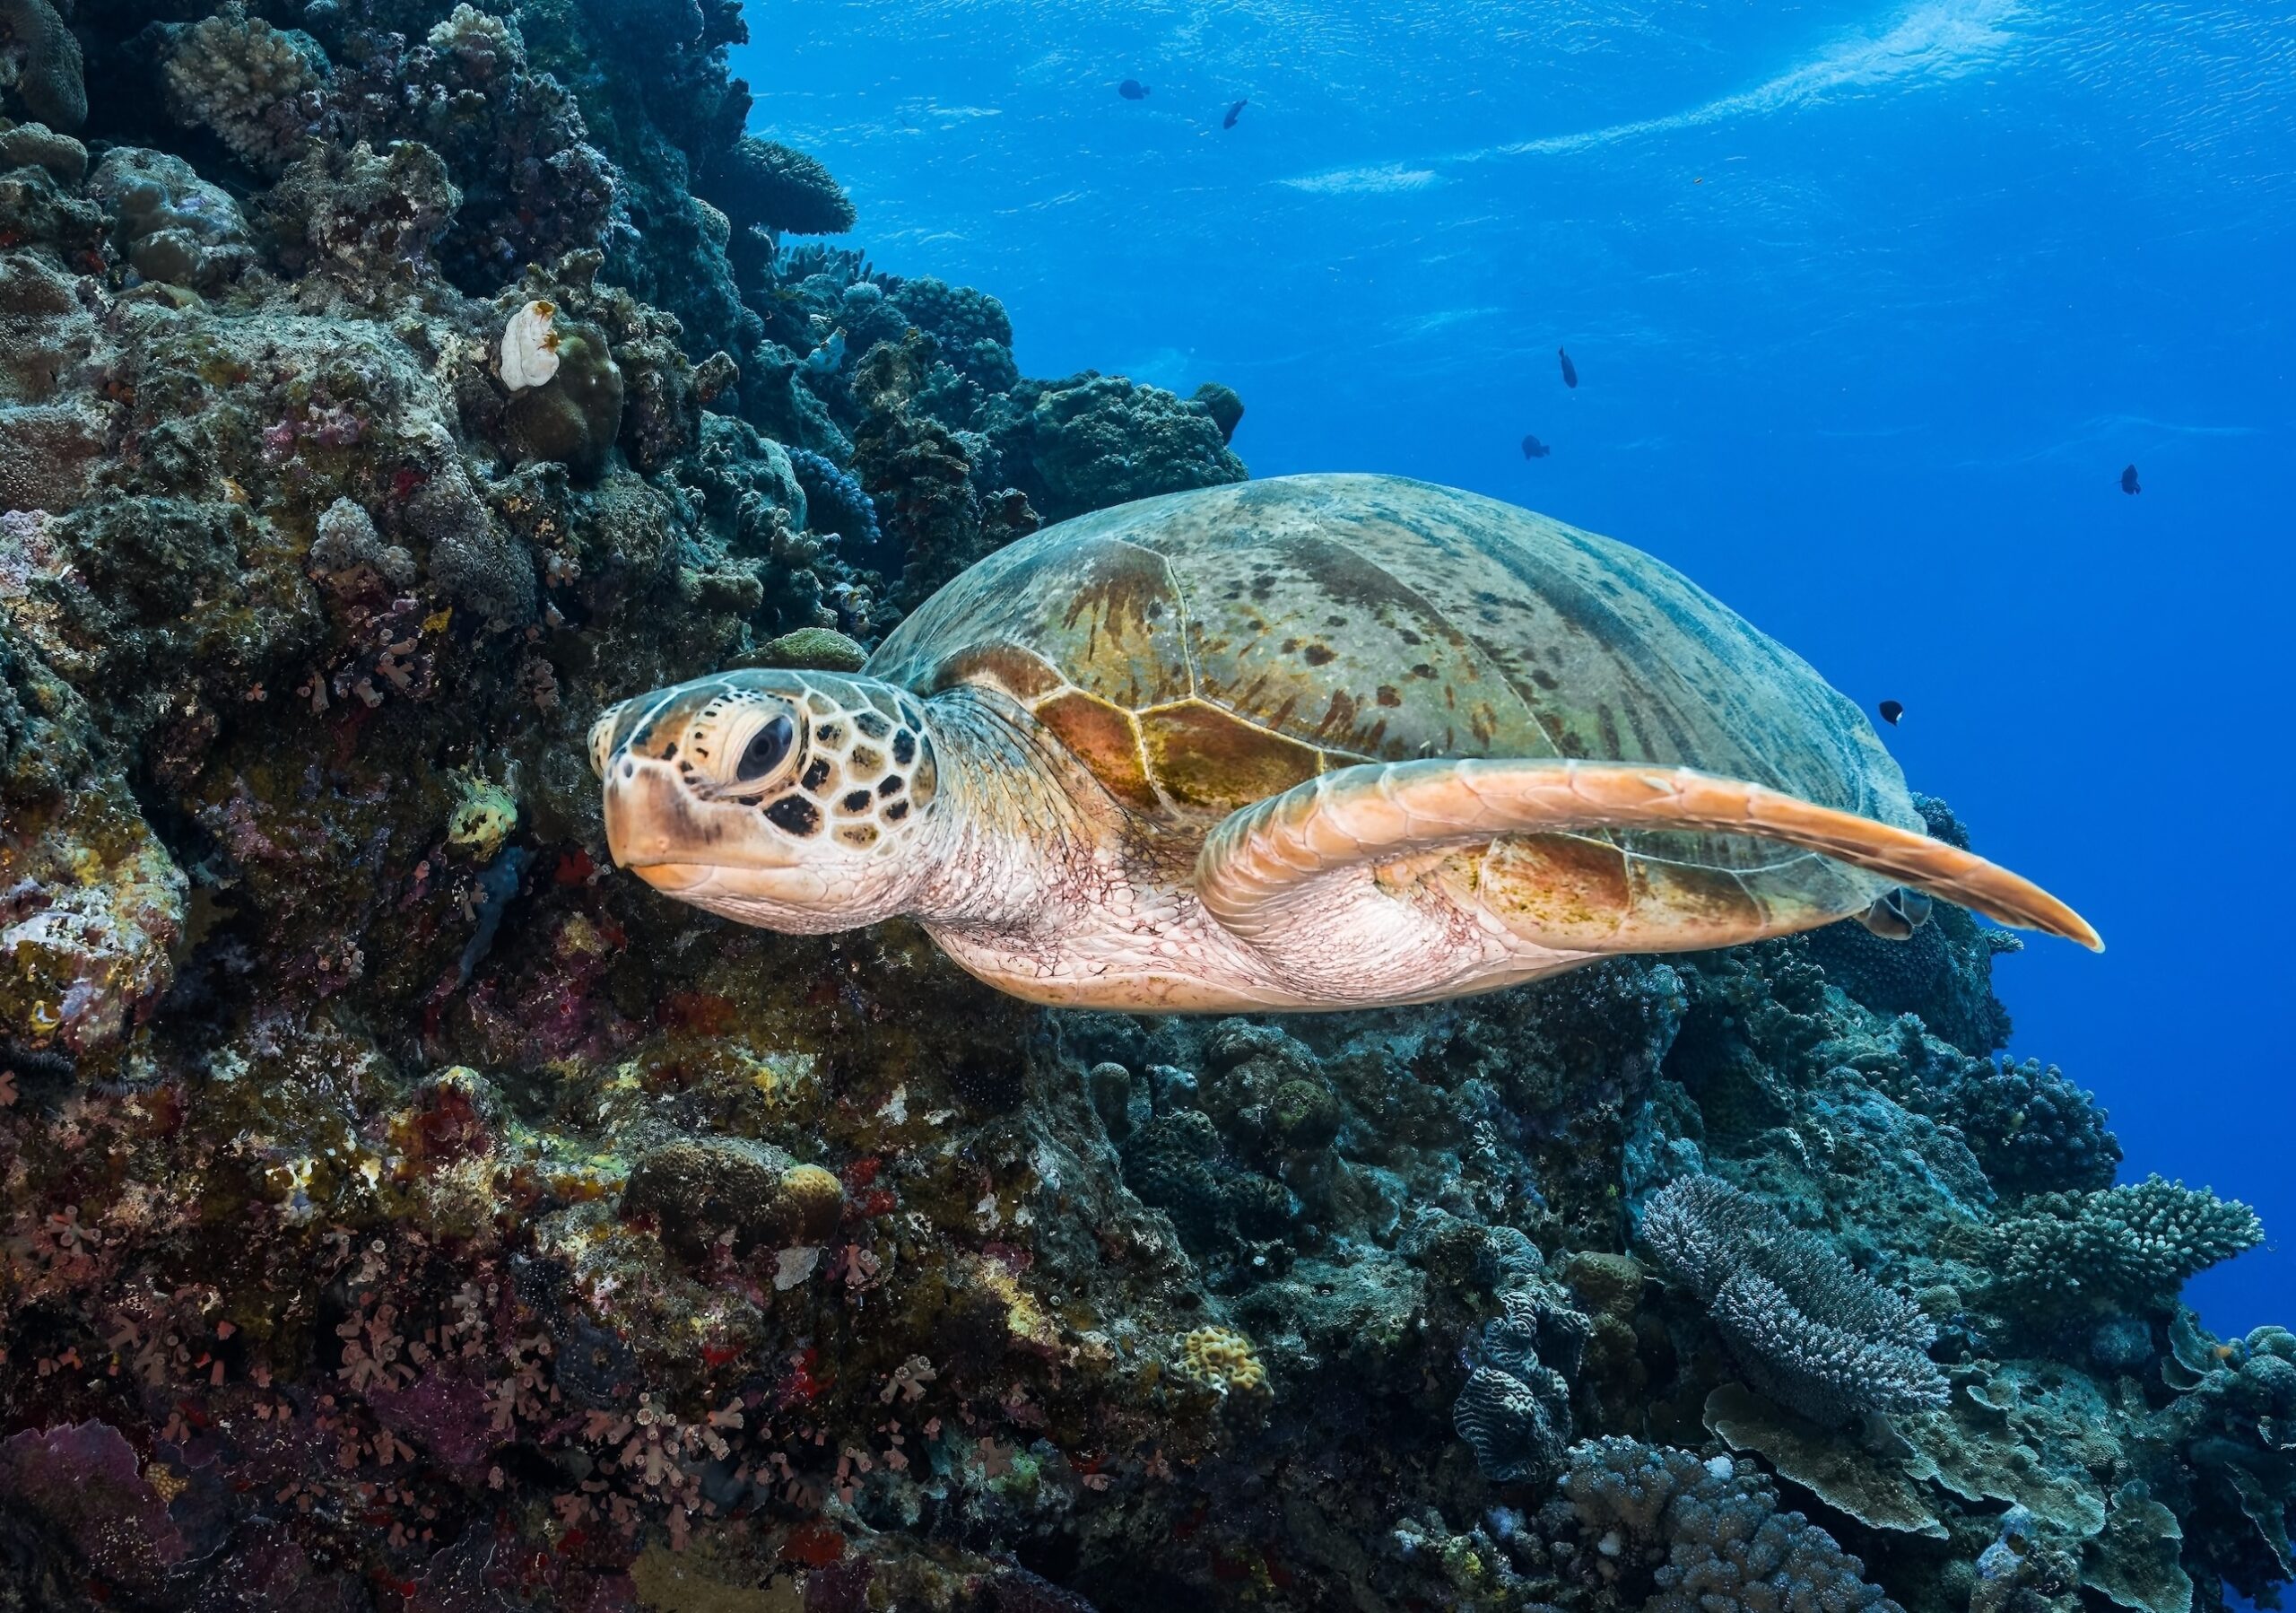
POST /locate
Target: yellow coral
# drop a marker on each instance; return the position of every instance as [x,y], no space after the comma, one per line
[1224,1360]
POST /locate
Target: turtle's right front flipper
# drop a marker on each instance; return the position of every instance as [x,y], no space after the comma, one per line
[1278,872]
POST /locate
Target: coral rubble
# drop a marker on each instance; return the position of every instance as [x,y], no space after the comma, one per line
[401,1212]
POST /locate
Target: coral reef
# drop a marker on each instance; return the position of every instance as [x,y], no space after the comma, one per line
[254,87]
[1807,1329]
[1706,1536]
[763,184]
[41,63]
[1073,441]
[401,1210]
[2121,1246]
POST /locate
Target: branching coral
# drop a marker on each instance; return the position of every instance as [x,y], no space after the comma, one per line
[2132,1245]
[1708,1539]
[835,501]
[255,88]
[2032,1130]
[763,184]
[1808,1330]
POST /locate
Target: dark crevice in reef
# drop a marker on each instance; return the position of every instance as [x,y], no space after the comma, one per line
[402,1213]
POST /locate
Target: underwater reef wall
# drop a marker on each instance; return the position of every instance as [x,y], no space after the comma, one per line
[398,1211]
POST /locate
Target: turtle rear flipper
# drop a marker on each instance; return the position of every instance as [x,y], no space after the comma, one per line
[1281,872]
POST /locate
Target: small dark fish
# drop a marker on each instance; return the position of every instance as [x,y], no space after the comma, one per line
[2128,480]
[1569,370]
[1891,711]
[1132,89]
[1234,112]
[1533,448]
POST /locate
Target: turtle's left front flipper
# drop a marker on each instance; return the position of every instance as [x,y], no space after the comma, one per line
[1276,872]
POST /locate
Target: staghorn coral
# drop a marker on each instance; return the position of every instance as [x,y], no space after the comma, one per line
[1806,1328]
[2132,1245]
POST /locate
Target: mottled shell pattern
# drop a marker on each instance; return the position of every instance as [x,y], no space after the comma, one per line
[1201,651]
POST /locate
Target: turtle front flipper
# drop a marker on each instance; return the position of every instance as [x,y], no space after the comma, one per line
[1515,842]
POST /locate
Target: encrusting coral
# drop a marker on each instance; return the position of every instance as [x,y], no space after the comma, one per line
[400,1210]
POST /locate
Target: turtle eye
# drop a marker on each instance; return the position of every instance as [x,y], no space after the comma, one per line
[766,751]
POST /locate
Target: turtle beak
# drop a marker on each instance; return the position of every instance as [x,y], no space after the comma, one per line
[672,838]
[649,817]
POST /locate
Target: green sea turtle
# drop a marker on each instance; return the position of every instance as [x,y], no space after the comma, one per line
[1315,741]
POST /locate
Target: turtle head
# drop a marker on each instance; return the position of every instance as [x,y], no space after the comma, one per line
[799,801]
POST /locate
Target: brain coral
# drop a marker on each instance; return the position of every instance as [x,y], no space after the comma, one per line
[1809,1330]
[1514,1411]
[40,60]
[1222,1360]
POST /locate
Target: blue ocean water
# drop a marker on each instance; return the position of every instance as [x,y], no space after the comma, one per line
[1870,305]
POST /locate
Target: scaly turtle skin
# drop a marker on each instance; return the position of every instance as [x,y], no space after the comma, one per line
[1318,742]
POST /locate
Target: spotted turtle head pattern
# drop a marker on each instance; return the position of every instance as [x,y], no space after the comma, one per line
[756,791]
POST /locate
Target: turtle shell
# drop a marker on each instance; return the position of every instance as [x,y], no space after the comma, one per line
[1202,650]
